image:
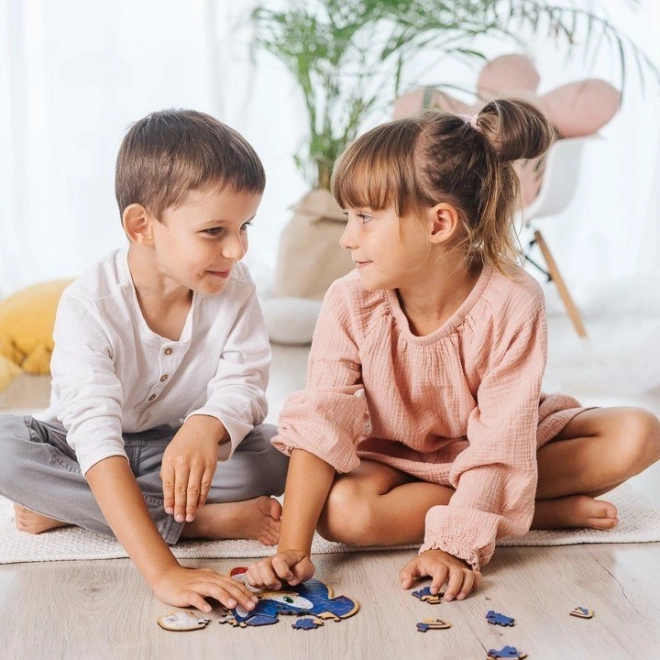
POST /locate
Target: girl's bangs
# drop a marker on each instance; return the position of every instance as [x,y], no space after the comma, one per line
[376,172]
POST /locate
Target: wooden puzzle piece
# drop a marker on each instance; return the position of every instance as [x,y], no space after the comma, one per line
[426,596]
[309,597]
[506,652]
[432,624]
[498,619]
[182,621]
[582,612]
[307,623]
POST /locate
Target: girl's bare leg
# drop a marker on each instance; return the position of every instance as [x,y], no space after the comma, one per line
[379,505]
[597,450]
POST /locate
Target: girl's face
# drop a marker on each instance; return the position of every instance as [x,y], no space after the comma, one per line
[199,241]
[390,252]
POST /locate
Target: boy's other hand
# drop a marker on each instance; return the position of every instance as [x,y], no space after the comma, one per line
[442,568]
[290,566]
[185,587]
[189,463]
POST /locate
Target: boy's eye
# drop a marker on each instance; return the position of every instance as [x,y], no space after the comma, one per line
[245,226]
[213,231]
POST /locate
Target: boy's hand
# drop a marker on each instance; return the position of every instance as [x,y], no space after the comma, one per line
[291,566]
[183,587]
[188,466]
[442,568]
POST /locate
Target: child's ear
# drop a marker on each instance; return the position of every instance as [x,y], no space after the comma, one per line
[444,222]
[137,223]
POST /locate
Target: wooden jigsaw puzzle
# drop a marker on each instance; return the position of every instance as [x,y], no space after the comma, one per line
[311,597]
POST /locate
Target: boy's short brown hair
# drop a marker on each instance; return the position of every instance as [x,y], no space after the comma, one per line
[169,153]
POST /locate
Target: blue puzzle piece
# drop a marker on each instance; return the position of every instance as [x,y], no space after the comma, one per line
[498,619]
[306,624]
[432,624]
[426,595]
[506,652]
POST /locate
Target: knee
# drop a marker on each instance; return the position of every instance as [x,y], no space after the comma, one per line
[640,444]
[348,516]
[11,429]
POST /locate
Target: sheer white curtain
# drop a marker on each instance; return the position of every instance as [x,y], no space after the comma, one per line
[75,74]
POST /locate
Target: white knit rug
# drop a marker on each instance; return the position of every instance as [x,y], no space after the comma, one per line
[639,522]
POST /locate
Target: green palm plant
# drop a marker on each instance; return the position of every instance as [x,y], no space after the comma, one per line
[348,56]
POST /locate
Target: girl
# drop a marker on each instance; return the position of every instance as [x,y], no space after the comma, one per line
[423,420]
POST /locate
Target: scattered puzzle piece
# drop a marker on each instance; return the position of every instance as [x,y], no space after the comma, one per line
[426,596]
[582,612]
[506,652]
[307,623]
[498,619]
[310,597]
[181,621]
[432,624]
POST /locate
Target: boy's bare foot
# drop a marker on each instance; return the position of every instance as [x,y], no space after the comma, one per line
[257,519]
[34,523]
[574,511]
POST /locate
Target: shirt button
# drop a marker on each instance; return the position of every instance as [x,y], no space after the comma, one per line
[168,351]
[163,378]
[152,397]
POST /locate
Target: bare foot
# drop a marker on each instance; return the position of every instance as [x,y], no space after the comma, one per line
[34,523]
[257,519]
[574,511]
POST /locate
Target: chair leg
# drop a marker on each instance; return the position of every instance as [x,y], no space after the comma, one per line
[556,277]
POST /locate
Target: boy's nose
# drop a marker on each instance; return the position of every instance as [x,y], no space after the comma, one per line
[235,248]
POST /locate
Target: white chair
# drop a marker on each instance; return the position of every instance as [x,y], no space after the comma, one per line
[558,186]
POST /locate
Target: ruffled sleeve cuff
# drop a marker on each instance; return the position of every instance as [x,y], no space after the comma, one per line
[468,534]
[328,424]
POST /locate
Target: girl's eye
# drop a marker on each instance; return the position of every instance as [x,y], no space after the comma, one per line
[245,226]
[365,217]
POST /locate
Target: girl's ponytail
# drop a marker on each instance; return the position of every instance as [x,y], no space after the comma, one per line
[511,129]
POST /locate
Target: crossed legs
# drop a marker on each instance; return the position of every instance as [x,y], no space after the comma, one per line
[597,450]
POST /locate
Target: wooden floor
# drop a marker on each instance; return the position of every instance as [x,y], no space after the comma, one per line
[103,609]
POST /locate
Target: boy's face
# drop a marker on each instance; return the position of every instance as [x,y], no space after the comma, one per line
[198,242]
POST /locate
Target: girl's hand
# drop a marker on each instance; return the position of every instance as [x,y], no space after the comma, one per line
[291,566]
[183,587]
[442,568]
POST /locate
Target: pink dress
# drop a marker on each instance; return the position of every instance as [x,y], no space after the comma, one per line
[461,407]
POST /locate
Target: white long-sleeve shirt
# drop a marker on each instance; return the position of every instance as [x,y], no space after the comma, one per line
[113,374]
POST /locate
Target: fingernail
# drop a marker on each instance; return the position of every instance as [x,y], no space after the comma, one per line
[179,518]
[232,603]
[169,510]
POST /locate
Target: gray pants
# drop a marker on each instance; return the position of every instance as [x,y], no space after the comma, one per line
[39,470]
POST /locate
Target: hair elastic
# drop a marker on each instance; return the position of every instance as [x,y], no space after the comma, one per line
[472,120]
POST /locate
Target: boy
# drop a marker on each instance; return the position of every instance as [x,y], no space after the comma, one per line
[160,369]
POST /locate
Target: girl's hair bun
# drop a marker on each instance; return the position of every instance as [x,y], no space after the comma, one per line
[515,129]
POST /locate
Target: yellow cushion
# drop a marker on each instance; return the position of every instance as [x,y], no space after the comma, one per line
[26,328]
[8,371]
